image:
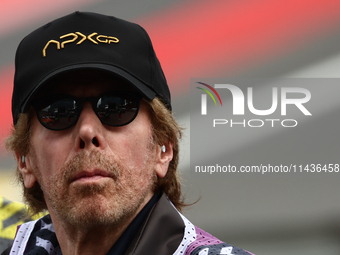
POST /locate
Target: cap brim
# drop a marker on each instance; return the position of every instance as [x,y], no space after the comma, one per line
[140,86]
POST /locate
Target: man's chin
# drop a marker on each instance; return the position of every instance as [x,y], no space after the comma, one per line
[91,210]
[90,206]
[79,190]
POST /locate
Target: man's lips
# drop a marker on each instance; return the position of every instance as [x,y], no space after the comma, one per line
[88,176]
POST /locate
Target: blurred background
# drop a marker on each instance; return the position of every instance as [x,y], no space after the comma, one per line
[221,38]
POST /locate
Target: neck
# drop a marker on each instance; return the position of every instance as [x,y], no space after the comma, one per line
[95,240]
[90,238]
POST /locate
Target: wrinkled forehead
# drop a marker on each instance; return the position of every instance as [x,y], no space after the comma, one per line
[85,83]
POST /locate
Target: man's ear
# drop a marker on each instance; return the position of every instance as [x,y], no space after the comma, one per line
[24,166]
[164,155]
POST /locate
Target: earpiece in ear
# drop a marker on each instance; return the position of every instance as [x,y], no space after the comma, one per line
[23,159]
[163,148]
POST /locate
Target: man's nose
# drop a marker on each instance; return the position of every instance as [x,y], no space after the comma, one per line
[90,130]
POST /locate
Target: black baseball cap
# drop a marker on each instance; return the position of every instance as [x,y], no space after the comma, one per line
[84,40]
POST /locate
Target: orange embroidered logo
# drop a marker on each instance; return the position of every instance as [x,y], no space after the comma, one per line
[94,37]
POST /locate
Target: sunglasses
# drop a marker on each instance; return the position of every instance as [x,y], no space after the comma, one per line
[61,112]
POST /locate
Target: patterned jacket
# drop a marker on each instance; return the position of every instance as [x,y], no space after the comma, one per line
[165,231]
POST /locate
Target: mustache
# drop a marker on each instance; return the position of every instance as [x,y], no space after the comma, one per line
[85,160]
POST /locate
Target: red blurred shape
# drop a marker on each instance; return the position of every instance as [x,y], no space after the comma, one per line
[203,38]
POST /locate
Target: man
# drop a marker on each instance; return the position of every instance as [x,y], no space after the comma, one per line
[96,144]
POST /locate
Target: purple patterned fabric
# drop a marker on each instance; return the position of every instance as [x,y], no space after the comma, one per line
[202,238]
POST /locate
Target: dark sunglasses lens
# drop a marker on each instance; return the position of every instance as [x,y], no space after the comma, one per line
[58,115]
[117,110]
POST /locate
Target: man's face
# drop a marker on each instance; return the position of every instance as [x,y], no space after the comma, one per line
[92,173]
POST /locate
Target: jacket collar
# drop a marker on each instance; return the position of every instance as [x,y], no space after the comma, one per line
[161,233]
